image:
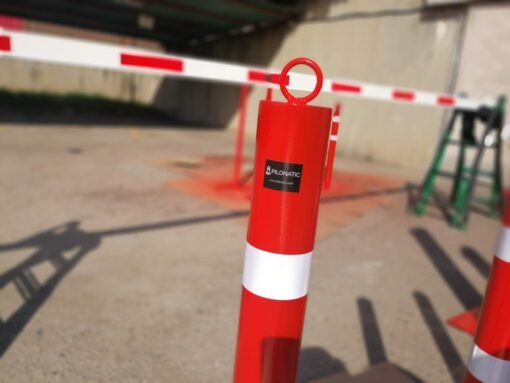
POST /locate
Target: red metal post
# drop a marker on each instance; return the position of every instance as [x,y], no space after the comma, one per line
[490,357]
[269,94]
[289,167]
[332,145]
[241,130]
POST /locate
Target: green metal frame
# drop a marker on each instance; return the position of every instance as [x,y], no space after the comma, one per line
[465,178]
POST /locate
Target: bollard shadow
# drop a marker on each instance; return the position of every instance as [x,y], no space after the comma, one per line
[372,338]
[376,351]
[316,365]
[442,340]
[62,248]
[477,261]
[460,286]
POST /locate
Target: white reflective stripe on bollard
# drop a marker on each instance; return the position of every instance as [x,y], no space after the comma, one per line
[276,276]
[336,119]
[488,368]
[333,138]
[503,246]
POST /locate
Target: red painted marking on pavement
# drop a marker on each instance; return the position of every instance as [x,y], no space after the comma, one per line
[261,76]
[466,321]
[341,87]
[403,95]
[152,62]
[211,180]
[5,43]
[445,100]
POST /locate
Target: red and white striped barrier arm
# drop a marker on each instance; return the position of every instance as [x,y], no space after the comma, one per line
[490,357]
[60,50]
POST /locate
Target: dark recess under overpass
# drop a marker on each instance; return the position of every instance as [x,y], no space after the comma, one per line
[175,23]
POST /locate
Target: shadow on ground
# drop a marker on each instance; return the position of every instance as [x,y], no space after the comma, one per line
[62,247]
[458,283]
[317,365]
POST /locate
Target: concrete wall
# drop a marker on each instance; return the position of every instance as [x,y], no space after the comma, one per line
[414,48]
[410,50]
[485,63]
[485,60]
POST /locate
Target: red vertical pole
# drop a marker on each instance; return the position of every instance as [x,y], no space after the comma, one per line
[289,167]
[332,145]
[241,129]
[490,357]
[269,94]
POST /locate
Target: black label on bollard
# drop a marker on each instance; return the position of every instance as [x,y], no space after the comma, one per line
[282,176]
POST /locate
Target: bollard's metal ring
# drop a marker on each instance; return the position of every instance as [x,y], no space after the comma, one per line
[318,86]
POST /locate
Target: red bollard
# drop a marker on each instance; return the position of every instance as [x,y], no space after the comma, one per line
[490,357]
[291,147]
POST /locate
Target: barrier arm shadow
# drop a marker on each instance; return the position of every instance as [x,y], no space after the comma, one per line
[63,247]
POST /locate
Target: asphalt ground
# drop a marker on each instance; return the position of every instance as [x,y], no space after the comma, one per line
[110,274]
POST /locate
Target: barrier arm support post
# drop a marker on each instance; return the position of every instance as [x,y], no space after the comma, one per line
[241,131]
[333,137]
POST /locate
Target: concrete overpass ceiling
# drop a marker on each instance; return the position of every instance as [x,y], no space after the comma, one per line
[175,23]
